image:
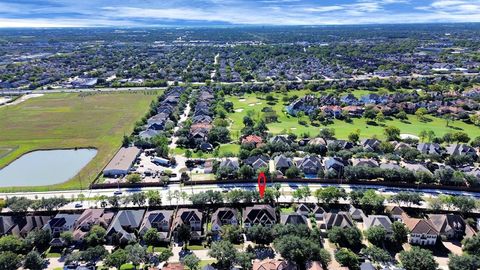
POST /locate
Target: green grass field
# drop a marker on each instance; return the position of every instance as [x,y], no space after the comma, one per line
[57,121]
[287,123]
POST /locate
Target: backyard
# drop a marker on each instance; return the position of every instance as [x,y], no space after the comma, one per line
[57,121]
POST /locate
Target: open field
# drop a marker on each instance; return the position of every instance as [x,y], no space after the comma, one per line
[71,120]
[287,123]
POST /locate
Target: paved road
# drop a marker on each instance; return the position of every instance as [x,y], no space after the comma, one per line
[168,198]
[142,88]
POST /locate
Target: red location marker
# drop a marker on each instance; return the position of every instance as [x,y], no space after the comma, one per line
[262,184]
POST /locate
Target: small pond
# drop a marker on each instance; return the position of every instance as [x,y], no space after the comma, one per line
[45,167]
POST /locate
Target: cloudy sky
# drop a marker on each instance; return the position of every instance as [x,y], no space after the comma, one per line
[127,13]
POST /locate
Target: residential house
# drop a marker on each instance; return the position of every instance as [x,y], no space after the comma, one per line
[416,167]
[396,212]
[462,150]
[59,224]
[349,99]
[429,148]
[378,220]
[26,224]
[310,165]
[356,213]
[88,219]
[356,162]
[224,216]
[422,231]
[293,218]
[340,219]
[303,209]
[354,111]
[280,139]
[189,217]
[272,264]
[231,163]
[370,144]
[317,141]
[318,212]
[124,225]
[257,162]
[6,225]
[451,226]
[160,220]
[253,139]
[259,215]
[332,164]
[282,163]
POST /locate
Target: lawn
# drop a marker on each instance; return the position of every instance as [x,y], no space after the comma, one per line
[56,121]
[287,123]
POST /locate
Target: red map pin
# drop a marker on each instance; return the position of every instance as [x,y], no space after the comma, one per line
[262,183]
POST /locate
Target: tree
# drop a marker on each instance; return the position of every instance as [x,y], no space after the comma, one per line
[191,261]
[407,197]
[392,133]
[471,245]
[231,233]
[327,133]
[260,234]
[34,261]
[345,237]
[94,254]
[134,178]
[372,200]
[151,237]
[39,239]
[244,259]
[354,136]
[330,194]
[400,233]
[246,172]
[224,252]
[116,259]
[418,259]
[9,260]
[96,236]
[463,262]
[165,255]
[136,254]
[184,234]
[154,198]
[376,235]
[138,198]
[377,254]
[347,258]
[292,172]
[12,243]
[67,237]
[297,249]
[421,114]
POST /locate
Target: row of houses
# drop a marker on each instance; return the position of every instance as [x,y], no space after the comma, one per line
[164,110]
[202,119]
[390,104]
[311,164]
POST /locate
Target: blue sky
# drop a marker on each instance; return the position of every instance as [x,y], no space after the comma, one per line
[126,13]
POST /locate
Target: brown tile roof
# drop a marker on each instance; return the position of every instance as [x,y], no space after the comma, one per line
[419,226]
[174,266]
[272,264]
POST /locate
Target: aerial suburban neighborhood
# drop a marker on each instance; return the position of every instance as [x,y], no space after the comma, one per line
[145,148]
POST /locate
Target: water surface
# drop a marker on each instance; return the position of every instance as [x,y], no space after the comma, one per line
[45,167]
